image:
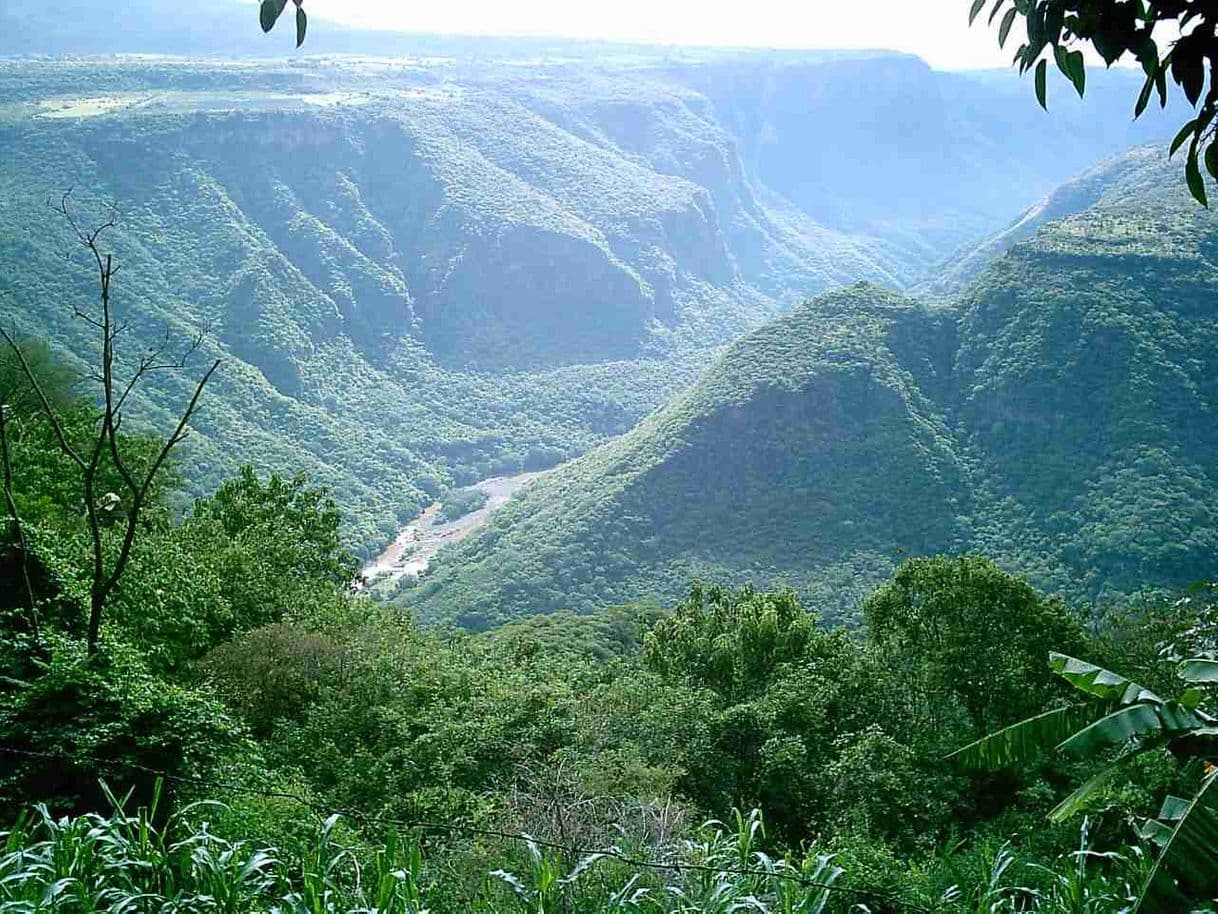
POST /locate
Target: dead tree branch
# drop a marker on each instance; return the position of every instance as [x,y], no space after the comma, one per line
[106,441]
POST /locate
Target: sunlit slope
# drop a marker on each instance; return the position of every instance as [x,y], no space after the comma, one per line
[1060,416]
[810,446]
[428,271]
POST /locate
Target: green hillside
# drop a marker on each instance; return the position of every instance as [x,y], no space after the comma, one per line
[425,272]
[1057,416]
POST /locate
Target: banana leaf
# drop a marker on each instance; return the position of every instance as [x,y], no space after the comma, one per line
[1187,868]
[1097,681]
[1024,741]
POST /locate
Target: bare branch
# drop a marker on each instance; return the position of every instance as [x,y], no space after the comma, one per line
[106,442]
[151,362]
[47,409]
[179,435]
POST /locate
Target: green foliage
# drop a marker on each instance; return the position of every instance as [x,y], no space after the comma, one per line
[273,672]
[1115,29]
[1134,720]
[84,717]
[18,394]
[964,628]
[1050,420]
[589,731]
[730,642]
[460,284]
[250,555]
[460,502]
[144,860]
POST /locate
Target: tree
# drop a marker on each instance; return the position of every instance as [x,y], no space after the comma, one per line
[963,630]
[1125,718]
[1168,38]
[88,454]
[295,528]
[19,403]
[16,391]
[732,642]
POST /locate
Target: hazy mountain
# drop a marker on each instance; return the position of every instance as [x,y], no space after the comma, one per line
[426,271]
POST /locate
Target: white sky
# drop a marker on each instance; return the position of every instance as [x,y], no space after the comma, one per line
[936,30]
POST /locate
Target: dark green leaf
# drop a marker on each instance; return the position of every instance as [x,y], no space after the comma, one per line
[1144,96]
[1097,681]
[269,12]
[1196,183]
[1071,65]
[1211,159]
[1189,860]
[1078,72]
[1188,70]
[1060,57]
[1093,785]
[1005,28]
[1042,71]
[302,25]
[1022,742]
[1137,721]
[974,10]
[1185,132]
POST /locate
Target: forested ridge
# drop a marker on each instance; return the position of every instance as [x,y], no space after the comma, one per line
[428,272]
[1053,416]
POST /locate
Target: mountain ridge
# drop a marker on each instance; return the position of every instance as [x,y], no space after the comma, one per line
[422,273]
[1054,417]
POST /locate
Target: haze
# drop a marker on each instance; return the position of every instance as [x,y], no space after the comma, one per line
[936,30]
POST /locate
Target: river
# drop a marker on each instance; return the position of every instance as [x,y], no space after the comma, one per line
[418,542]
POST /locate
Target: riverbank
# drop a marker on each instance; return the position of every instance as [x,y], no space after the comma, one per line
[417,543]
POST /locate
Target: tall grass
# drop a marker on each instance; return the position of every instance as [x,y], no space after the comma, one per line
[145,862]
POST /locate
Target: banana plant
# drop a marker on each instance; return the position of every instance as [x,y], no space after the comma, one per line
[1120,715]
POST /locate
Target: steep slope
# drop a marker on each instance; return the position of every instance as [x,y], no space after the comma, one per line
[358,287]
[1086,391]
[1059,416]
[428,271]
[810,447]
[1111,182]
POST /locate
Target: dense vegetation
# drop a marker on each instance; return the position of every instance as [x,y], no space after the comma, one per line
[237,666]
[418,276]
[438,272]
[460,502]
[244,730]
[1054,417]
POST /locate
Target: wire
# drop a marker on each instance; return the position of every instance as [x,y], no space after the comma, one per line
[467,830]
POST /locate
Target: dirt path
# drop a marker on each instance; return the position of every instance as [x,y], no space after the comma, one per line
[418,542]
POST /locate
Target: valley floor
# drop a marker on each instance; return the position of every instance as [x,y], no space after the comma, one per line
[412,550]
